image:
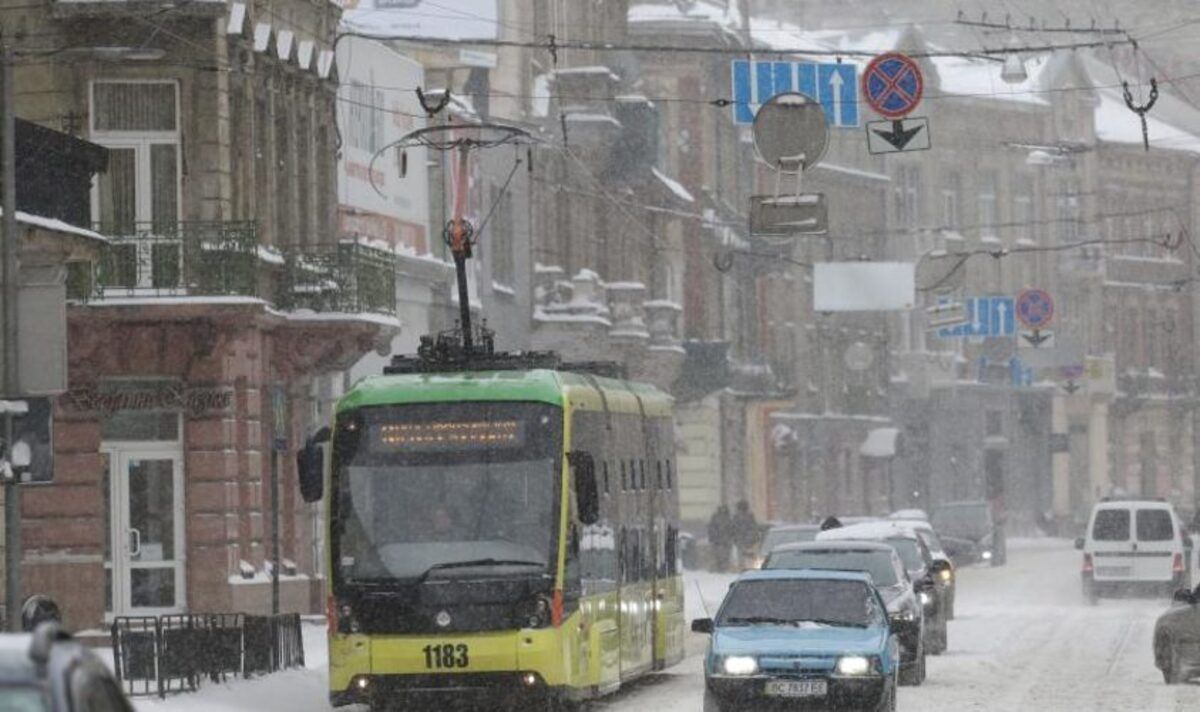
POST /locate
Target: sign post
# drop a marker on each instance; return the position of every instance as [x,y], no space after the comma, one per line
[279,444]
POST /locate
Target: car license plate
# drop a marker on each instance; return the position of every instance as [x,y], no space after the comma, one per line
[796,688]
[1112,571]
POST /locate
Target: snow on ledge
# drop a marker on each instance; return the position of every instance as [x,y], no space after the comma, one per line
[675,186]
[56,225]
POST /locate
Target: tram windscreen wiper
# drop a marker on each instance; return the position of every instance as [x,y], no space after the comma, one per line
[477,562]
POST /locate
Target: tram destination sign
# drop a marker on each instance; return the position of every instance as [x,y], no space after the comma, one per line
[448,436]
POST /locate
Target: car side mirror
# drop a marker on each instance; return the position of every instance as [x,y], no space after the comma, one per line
[310,466]
[702,625]
[1079,542]
[1184,596]
[587,490]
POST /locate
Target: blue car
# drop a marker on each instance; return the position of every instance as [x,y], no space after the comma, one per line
[802,639]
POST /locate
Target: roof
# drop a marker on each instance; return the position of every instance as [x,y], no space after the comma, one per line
[804,574]
[870,531]
[55,225]
[1129,501]
[835,545]
[793,527]
[537,385]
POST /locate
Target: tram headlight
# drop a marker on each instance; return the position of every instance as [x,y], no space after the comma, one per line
[534,612]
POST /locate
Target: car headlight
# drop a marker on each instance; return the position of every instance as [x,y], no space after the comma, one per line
[853,665]
[987,556]
[926,599]
[946,575]
[907,615]
[739,665]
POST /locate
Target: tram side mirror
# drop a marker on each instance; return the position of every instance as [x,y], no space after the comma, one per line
[587,491]
[310,466]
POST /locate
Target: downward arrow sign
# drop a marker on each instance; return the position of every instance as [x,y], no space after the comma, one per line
[898,136]
[1035,339]
[1071,387]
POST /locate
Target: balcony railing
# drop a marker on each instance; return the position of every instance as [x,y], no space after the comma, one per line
[224,259]
[178,259]
[349,277]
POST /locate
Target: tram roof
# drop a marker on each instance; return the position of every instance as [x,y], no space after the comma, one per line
[538,385]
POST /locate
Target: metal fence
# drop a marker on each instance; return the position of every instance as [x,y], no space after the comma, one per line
[176,653]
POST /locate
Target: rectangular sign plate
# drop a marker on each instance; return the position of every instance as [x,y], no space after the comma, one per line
[863,286]
[796,688]
[899,135]
[805,214]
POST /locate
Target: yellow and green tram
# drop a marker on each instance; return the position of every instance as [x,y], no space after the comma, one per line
[504,535]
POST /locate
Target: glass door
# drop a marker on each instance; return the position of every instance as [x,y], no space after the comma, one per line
[145,559]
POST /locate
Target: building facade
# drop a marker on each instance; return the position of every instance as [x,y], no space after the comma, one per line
[226,288]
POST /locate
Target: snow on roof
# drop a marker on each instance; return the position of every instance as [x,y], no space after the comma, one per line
[467,19]
[727,17]
[593,70]
[55,225]
[1115,123]
[869,530]
[968,76]
[675,186]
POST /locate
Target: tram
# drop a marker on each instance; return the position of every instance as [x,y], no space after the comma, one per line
[498,531]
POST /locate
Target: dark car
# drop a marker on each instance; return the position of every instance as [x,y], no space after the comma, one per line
[47,671]
[921,568]
[887,572]
[781,534]
[972,521]
[1177,638]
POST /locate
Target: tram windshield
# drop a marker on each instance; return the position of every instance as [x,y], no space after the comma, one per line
[440,490]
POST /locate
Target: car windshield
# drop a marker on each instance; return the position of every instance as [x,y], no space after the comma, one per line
[877,563]
[972,521]
[22,699]
[777,537]
[798,601]
[437,503]
[910,553]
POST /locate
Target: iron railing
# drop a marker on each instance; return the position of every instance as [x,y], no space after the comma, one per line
[220,259]
[176,653]
[349,277]
[174,259]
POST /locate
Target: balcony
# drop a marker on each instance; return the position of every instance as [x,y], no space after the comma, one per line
[346,278]
[123,8]
[224,262]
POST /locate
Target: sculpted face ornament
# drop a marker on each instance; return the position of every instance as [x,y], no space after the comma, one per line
[442,619]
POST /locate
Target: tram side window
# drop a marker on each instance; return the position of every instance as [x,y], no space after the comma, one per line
[623,551]
[671,564]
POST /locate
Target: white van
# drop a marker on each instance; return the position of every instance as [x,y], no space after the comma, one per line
[1134,543]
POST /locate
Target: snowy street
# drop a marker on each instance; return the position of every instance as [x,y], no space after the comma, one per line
[1023,640]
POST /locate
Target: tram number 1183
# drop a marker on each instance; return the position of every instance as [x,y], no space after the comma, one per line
[445,657]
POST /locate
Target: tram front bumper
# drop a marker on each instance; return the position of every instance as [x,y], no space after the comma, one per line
[468,690]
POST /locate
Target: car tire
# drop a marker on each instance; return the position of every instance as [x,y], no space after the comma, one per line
[710,701]
[913,674]
[1173,672]
[938,639]
[950,608]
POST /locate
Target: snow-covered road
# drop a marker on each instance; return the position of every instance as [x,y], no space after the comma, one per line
[1023,640]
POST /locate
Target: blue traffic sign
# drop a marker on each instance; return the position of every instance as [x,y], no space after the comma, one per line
[833,84]
[986,316]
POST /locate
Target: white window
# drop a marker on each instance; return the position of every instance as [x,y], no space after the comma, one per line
[950,204]
[364,127]
[138,123]
[988,217]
